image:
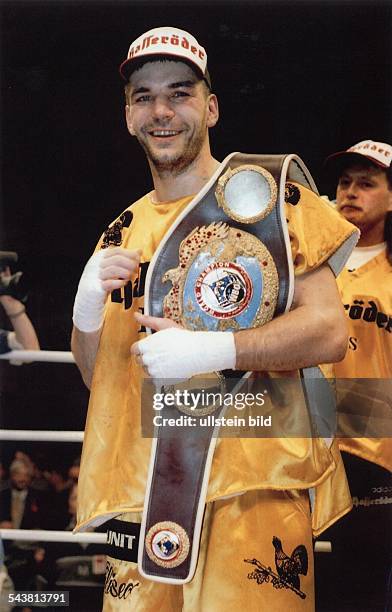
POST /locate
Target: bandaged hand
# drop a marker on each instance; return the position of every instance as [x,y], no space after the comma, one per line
[177,353]
[105,271]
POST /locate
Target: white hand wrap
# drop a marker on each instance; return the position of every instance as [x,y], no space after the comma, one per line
[90,298]
[179,353]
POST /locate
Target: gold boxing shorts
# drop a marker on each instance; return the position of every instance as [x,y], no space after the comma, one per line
[256,554]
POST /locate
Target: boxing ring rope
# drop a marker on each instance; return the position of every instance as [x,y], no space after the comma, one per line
[26,435]
[48,356]
[41,535]
[61,436]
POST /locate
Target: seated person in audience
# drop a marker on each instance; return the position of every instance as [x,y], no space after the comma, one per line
[22,507]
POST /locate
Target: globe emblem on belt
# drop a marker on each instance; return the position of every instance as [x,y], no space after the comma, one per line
[223,290]
[226,280]
[165,544]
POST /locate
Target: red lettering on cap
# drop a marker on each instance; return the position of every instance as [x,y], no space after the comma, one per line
[146,42]
[155,40]
[194,50]
[164,40]
[201,54]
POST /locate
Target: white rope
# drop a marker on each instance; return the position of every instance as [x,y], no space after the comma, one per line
[41,436]
[40,535]
[29,356]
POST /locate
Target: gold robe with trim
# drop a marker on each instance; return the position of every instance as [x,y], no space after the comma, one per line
[115,456]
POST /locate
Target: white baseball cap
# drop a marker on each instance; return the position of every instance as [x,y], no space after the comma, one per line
[380,153]
[166,42]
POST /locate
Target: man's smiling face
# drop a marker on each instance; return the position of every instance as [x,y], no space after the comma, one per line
[169,111]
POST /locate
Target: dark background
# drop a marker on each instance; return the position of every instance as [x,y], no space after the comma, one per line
[304,77]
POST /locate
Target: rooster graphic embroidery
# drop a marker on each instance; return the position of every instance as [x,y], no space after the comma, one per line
[288,568]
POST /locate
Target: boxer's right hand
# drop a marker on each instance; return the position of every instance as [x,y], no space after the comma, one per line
[105,271]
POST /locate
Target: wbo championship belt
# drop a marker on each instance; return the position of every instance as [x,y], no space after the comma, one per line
[224,265]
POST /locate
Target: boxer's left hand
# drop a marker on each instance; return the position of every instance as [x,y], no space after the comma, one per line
[174,352]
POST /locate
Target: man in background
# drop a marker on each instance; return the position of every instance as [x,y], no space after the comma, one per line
[362,540]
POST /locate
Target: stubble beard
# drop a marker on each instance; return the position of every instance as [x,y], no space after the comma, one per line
[174,164]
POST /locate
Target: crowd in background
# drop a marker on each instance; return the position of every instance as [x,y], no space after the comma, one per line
[37,497]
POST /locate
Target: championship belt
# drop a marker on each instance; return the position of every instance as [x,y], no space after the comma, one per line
[225,264]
